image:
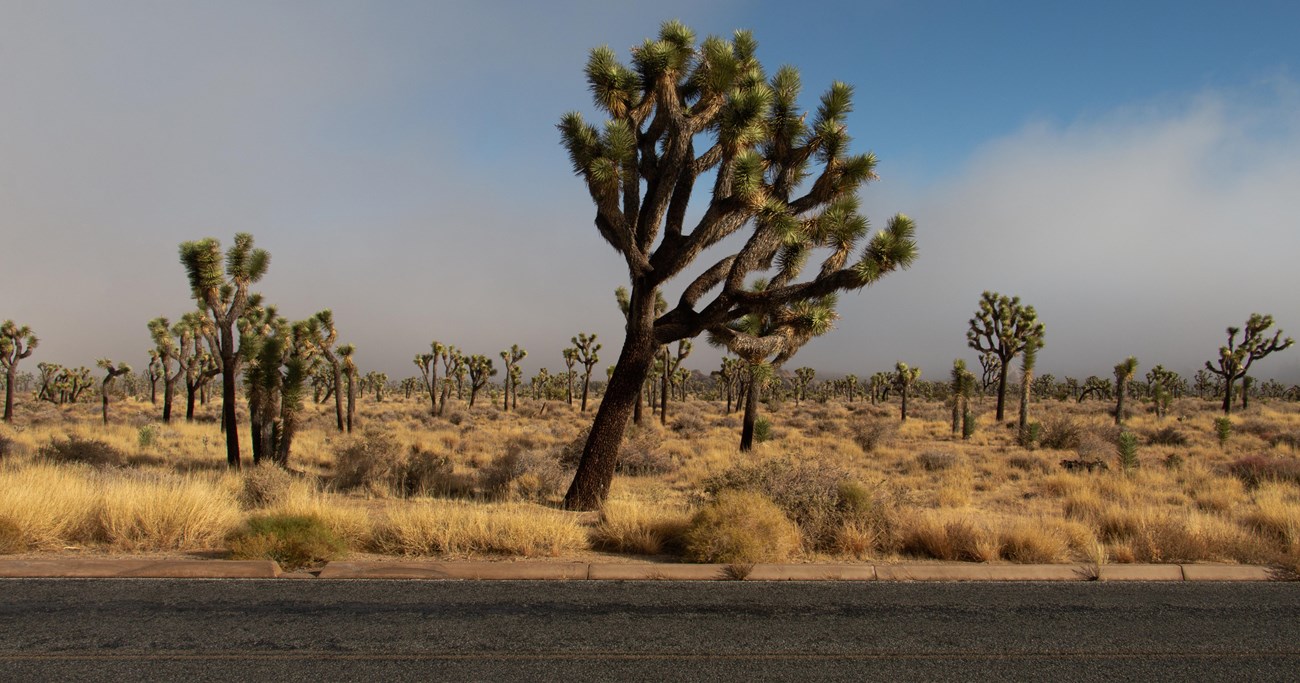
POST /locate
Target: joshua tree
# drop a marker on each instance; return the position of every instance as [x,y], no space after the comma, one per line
[377,381]
[670,365]
[802,378]
[453,366]
[570,359]
[225,294]
[1234,361]
[48,390]
[480,371]
[749,338]
[904,378]
[326,336]
[1004,328]
[1123,375]
[1259,345]
[640,172]
[112,371]
[511,357]
[165,346]
[428,364]
[1027,363]
[963,385]
[990,369]
[728,375]
[586,349]
[1165,385]
[197,365]
[1095,385]
[153,373]
[345,353]
[279,359]
[16,343]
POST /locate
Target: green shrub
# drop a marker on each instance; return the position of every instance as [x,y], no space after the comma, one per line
[872,433]
[1127,446]
[147,435]
[1030,435]
[1222,430]
[75,449]
[741,527]
[295,541]
[762,430]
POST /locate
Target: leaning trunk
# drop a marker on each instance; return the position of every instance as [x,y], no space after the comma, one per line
[103,391]
[622,397]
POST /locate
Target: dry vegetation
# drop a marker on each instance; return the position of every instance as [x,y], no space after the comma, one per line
[835,482]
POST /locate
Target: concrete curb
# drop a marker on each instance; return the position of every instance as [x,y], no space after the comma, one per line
[609,571]
[139,569]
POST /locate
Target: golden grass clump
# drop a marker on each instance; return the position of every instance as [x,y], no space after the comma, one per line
[467,529]
[638,529]
[166,513]
[741,526]
[52,505]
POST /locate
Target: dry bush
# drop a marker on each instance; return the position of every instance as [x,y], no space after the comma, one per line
[870,433]
[1167,436]
[263,486]
[1061,433]
[1288,439]
[643,454]
[75,449]
[11,537]
[1032,464]
[378,462]
[1254,470]
[7,447]
[634,528]
[741,527]
[930,535]
[52,506]
[170,512]
[520,474]
[1033,543]
[466,529]
[936,461]
[1275,518]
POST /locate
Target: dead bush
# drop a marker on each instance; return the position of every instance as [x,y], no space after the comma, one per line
[520,474]
[378,462]
[1167,436]
[936,461]
[1061,433]
[873,432]
[741,527]
[75,449]
[264,486]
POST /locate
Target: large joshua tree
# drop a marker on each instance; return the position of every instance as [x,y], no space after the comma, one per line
[16,343]
[1003,328]
[760,151]
[224,292]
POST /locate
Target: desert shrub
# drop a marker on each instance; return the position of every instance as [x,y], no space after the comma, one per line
[1254,470]
[632,528]
[379,463]
[871,433]
[11,537]
[762,430]
[520,474]
[1167,436]
[1029,463]
[642,453]
[958,539]
[819,497]
[6,447]
[458,418]
[1032,543]
[1061,433]
[1289,439]
[462,528]
[1222,430]
[741,527]
[295,541]
[936,461]
[264,486]
[689,424]
[75,449]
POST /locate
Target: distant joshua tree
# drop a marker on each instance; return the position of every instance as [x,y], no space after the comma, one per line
[198,366]
[1027,363]
[225,294]
[16,343]
[904,378]
[511,358]
[1123,375]
[153,373]
[453,366]
[480,372]
[345,353]
[586,349]
[670,365]
[112,371]
[1234,361]
[1003,327]
[1165,385]
[428,365]
[963,385]
[165,346]
[326,336]
[570,359]
[802,378]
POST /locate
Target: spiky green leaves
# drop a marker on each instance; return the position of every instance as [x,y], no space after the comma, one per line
[1002,326]
[202,261]
[614,87]
[890,249]
[16,343]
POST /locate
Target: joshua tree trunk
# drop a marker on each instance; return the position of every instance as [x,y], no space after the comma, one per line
[1026,379]
[229,396]
[169,385]
[903,407]
[622,398]
[663,391]
[338,395]
[191,393]
[11,376]
[1245,391]
[751,411]
[352,402]
[586,385]
[1002,391]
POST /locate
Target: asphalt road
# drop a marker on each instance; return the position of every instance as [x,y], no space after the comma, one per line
[313,630]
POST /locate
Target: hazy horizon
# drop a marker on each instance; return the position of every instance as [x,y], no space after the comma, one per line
[1128,171]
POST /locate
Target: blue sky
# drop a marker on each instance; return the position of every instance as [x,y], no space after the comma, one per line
[1128,168]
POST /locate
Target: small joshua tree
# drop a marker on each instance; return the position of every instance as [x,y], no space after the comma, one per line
[1165,386]
[428,365]
[345,354]
[453,366]
[570,359]
[1234,361]
[1003,327]
[586,348]
[511,357]
[480,371]
[225,295]
[963,385]
[153,373]
[165,346]
[326,336]
[197,364]
[111,372]
[1123,374]
[16,343]
[1027,363]
[802,378]
[904,378]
